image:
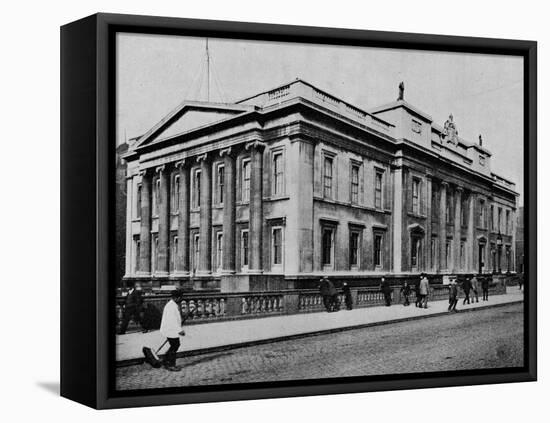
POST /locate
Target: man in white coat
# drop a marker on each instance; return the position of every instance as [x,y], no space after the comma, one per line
[170,327]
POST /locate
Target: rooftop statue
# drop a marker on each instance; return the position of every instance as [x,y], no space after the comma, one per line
[449,131]
[401,91]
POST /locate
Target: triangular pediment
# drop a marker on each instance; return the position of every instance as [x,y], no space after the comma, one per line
[188,117]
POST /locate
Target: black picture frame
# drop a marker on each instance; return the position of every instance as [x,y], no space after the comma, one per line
[87,202]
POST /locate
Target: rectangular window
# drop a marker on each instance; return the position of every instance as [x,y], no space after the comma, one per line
[196,251]
[354,249]
[378,190]
[221,182]
[173,253]
[492,218]
[176,193]
[415,246]
[416,196]
[435,206]
[197,188]
[277,246]
[354,184]
[499,220]
[327,246]
[156,194]
[278,173]
[244,248]
[447,254]
[219,250]
[154,248]
[137,249]
[245,184]
[377,250]
[327,177]
[508,228]
[481,216]
[138,201]
[464,213]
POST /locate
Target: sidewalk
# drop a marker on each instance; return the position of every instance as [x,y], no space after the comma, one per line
[229,334]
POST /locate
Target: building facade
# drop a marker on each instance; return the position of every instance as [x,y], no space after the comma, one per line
[275,190]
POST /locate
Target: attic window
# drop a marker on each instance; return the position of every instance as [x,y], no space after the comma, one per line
[416,126]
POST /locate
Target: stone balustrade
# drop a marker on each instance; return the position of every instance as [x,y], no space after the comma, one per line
[214,306]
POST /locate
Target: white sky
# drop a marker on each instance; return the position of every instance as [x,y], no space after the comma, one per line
[484,92]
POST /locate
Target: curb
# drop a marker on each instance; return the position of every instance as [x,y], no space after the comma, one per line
[200,351]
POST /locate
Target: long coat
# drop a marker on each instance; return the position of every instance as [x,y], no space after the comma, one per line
[424,286]
[466,286]
[385,287]
[134,300]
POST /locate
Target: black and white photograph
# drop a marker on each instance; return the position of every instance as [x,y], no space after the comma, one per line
[291,211]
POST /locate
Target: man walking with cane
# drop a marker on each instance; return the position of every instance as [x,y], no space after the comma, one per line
[170,327]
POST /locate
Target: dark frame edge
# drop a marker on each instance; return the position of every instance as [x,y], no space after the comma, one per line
[78,211]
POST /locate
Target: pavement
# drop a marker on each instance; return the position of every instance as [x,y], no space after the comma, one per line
[218,336]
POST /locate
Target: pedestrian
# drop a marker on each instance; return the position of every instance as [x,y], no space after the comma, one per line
[418,299]
[466,287]
[485,288]
[324,291]
[520,281]
[170,328]
[406,291]
[347,296]
[133,304]
[475,288]
[334,302]
[453,295]
[424,290]
[386,290]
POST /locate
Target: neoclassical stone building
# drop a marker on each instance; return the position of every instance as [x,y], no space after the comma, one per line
[277,189]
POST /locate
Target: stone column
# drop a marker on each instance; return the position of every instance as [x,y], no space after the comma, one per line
[230,178]
[397,217]
[145,234]
[442,225]
[255,264]
[182,257]
[205,231]
[164,221]
[471,248]
[457,233]
[428,265]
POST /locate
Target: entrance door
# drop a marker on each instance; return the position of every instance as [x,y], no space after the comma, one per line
[481,258]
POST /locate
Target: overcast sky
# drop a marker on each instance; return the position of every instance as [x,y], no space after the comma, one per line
[484,92]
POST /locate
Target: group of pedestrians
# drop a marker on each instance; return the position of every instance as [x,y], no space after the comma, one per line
[329,293]
[470,287]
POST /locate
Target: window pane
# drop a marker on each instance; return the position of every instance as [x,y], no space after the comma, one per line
[277,246]
[246,181]
[327,177]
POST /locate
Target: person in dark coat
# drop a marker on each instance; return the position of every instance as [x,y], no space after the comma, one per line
[347,296]
[453,296]
[466,287]
[132,308]
[418,300]
[406,291]
[386,290]
[333,295]
[485,288]
[324,290]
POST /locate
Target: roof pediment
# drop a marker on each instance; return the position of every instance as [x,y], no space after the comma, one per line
[188,116]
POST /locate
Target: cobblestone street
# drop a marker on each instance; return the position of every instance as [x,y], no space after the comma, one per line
[488,338]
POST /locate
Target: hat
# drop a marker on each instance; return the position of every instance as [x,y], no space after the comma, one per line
[176,293]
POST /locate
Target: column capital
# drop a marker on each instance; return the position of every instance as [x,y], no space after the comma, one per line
[459,189]
[429,176]
[202,157]
[228,152]
[160,169]
[444,184]
[180,163]
[257,145]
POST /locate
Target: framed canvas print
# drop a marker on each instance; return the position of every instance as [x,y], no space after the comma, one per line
[255,211]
